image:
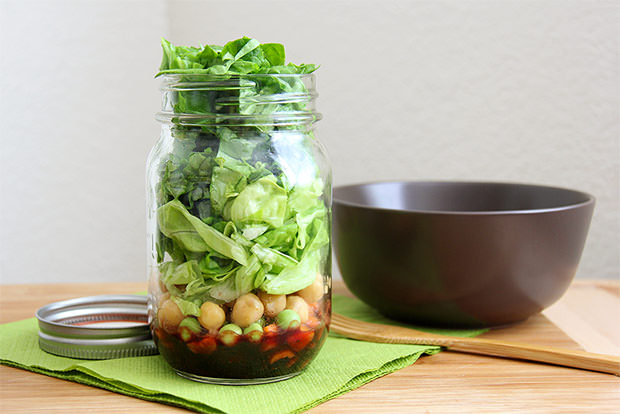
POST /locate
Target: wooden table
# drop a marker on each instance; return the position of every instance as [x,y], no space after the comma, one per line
[588,317]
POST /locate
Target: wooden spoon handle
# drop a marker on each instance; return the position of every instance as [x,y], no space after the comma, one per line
[565,357]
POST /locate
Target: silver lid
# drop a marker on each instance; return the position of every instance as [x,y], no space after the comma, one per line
[96,327]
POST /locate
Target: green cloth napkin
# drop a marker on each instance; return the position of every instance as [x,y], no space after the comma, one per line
[341,366]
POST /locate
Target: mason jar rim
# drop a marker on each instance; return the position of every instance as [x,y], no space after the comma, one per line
[224,76]
[169,81]
[205,82]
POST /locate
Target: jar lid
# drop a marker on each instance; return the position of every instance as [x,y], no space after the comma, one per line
[96,327]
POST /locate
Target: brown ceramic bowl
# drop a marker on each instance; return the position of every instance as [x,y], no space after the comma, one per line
[459,254]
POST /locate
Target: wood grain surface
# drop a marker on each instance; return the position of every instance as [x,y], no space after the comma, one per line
[587,317]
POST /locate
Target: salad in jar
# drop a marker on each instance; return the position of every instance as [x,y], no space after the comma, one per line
[239,215]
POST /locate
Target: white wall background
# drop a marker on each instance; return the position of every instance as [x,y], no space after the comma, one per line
[525,91]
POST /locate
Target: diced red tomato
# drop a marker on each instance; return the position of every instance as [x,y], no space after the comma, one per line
[285,353]
[163,338]
[268,345]
[269,342]
[312,322]
[205,346]
[299,340]
[270,338]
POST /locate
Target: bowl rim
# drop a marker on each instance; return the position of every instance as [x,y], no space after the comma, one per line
[590,199]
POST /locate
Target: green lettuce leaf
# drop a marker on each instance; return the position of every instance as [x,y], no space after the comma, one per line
[274,53]
[215,267]
[173,275]
[233,147]
[226,185]
[304,198]
[194,235]
[240,56]
[245,279]
[252,231]
[188,308]
[308,224]
[246,275]
[293,278]
[272,260]
[263,201]
[181,57]
[281,238]
[184,281]
[225,291]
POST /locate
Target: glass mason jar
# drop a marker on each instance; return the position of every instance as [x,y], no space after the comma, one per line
[239,228]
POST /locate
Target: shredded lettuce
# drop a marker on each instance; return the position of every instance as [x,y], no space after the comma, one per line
[293,278]
[194,235]
[242,56]
[263,201]
[240,207]
[188,308]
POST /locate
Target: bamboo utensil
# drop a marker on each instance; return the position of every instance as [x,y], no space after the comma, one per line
[373,332]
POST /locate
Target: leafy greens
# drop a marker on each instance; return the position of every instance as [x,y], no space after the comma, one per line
[240,206]
[241,57]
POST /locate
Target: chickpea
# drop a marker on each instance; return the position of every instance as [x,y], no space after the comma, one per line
[155,283]
[212,316]
[299,305]
[169,316]
[247,310]
[163,298]
[274,304]
[314,292]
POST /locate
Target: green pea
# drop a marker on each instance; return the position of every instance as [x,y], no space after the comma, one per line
[232,327]
[229,334]
[254,332]
[288,319]
[188,328]
[254,327]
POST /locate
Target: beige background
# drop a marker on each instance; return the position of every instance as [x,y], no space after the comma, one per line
[523,91]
